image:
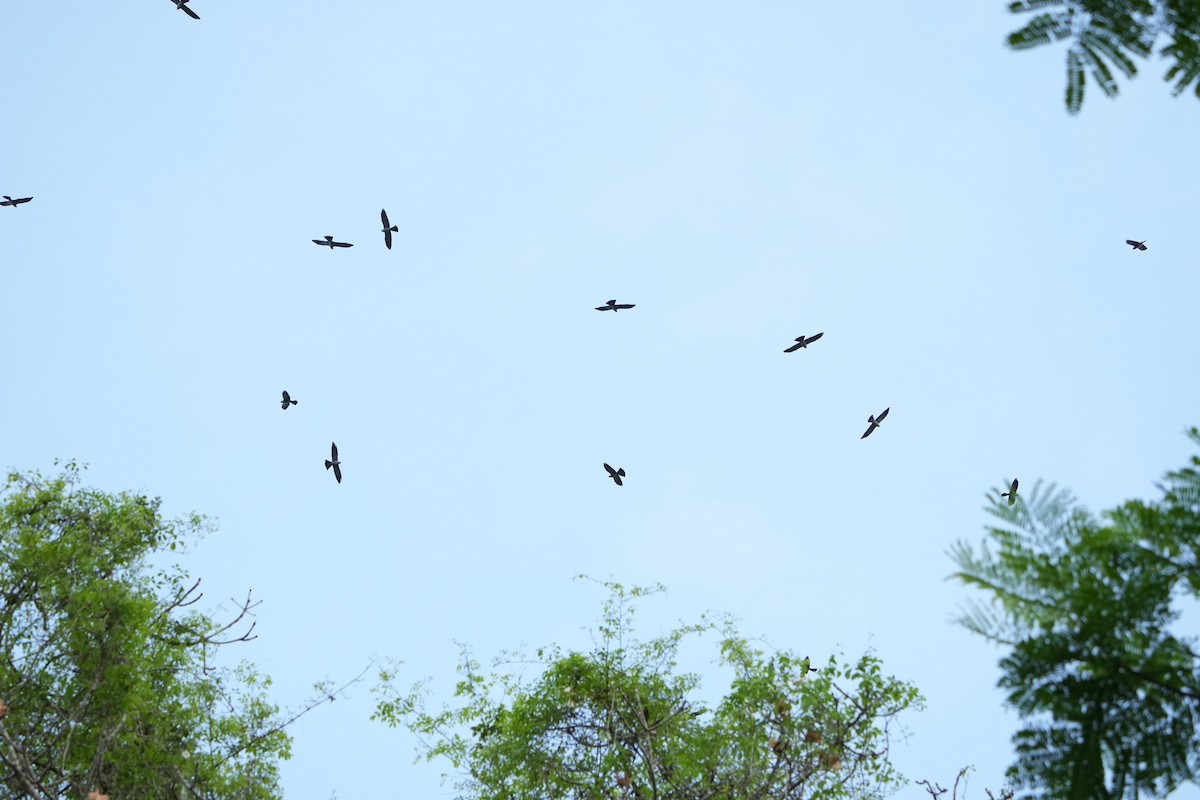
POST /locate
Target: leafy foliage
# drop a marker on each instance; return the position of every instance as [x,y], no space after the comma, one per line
[1108,35]
[621,722]
[104,665]
[1110,694]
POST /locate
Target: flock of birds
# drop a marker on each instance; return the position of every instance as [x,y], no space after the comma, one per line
[801,342]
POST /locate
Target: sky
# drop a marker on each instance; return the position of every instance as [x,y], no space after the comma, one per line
[743,172]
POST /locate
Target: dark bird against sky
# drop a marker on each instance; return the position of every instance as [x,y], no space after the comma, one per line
[802,342]
[387,231]
[1011,494]
[288,401]
[616,474]
[330,243]
[874,422]
[337,465]
[182,6]
[613,305]
[8,201]
[1136,245]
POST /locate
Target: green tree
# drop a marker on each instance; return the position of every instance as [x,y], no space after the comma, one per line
[1108,36]
[1109,692]
[106,680]
[622,722]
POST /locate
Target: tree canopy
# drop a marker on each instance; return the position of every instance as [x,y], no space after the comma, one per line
[106,672]
[1108,36]
[621,721]
[1110,692]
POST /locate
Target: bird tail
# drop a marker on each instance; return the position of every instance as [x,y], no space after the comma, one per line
[395,228]
[328,463]
[295,402]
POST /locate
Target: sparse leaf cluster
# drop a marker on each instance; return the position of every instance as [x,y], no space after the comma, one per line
[1110,36]
[621,721]
[1110,692]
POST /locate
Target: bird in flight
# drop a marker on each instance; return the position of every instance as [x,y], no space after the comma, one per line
[330,243]
[1136,245]
[182,6]
[1011,494]
[874,422]
[616,474]
[802,342]
[337,465]
[288,401]
[8,201]
[613,305]
[388,230]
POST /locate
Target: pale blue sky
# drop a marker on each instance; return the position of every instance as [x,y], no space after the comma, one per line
[743,172]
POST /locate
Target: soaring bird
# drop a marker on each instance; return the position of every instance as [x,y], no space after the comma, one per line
[387,230]
[330,243]
[8,201]
[1136,245]
[616,474]
[182,6]
[802,342]
[874,422]
[613,305]
[288,401]
[337,465]
[1011,494]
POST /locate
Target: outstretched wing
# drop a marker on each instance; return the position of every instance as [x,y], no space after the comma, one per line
[287,399]
[341,244]
[604,308]
[617,480]
[190,13]
[624,305]
[337,472]
[612,473]
[794,348]
[868,433]
[387,236]
[318,241]
[881,417]
[812,339]
[333,450]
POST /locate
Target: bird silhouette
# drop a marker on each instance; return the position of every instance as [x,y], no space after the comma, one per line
[1136,245]
[874,422]
[182,6]
[616,474]
[337,465]
[802,342]
[613,305]
[288,401]
[8,201]
[1011,494]
[330,243]
[387,230]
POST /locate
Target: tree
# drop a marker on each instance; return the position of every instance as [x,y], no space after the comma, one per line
[622,722]
[1108,35]
[105,666]
[1109,693]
